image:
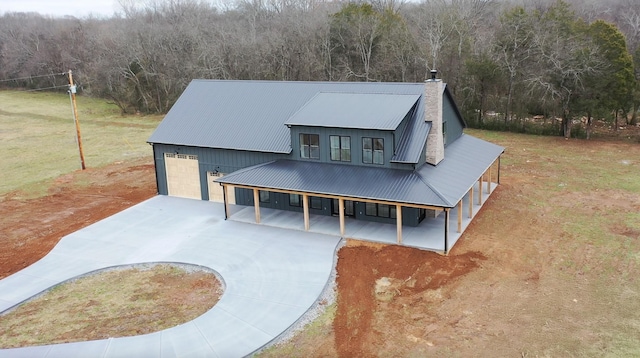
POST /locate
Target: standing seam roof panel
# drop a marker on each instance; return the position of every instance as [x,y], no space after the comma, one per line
[442,185]
[393,185]
[251,115]
[464,162]
[355,110]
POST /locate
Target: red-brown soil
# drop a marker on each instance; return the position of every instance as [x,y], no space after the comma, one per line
[410,273]
[30,228]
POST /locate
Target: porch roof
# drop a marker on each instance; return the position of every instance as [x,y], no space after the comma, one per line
[393,185]
[440,186]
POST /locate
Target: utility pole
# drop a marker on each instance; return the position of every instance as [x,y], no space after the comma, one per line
[72,94]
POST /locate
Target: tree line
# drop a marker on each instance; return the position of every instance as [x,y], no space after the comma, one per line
[504,61]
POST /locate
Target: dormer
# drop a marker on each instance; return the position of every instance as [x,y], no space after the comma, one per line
[351,128]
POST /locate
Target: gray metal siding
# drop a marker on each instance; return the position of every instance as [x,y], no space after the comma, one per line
[454,124]
[280,201]
[356,145]
[161,172]
[209,160]
[410,216]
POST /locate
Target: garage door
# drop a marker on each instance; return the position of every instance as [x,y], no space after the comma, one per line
[215,189]
[183,175]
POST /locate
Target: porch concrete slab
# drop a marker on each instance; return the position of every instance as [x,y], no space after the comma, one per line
[428,235]
[272,277]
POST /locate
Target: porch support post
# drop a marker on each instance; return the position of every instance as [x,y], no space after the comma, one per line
[489,182]
[471,203]
[305,208]
[226,203]
[480,191]
[446,230]
[500,157]
[256,204]
[341,210]
[460,216]
[399,223]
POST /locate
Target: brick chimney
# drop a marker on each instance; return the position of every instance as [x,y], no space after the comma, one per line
[433,100]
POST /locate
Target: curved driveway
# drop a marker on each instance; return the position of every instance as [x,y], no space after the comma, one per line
[272,277]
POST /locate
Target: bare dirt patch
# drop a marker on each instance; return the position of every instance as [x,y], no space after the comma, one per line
[376,284]
[113,303]
[30,228]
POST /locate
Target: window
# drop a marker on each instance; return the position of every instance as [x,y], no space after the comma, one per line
[380,210]
[371,209]
[264,196]
[316,203]
[340,148]
[294,200]
[383,210]
[310,146]
[373,150]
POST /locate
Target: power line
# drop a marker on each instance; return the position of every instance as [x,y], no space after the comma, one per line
[41,89]
[30,77]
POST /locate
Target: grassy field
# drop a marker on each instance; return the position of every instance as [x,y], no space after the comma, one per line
[38,143]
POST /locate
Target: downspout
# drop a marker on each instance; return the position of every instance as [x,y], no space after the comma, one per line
[499,158]
[224,199]
[155,168]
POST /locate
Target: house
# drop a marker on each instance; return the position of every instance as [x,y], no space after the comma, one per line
[390,153]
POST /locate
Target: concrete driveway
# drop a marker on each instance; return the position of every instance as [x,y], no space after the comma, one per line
[272,277]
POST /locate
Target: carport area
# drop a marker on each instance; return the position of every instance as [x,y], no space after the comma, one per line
[272,276]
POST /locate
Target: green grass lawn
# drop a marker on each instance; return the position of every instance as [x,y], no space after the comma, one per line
[38,140]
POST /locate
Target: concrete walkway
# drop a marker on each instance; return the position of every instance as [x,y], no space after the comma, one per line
[272,277]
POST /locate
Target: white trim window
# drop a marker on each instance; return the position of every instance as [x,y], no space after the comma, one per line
[373,150]
[340,148]
[309,146]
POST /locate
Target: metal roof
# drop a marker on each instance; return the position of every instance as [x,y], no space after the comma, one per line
[393,185]
[355,110]
[442,185]
[251,115]
[465,160]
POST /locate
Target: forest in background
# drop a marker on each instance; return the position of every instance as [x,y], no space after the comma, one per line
[567,63]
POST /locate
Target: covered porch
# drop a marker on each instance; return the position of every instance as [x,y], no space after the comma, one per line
[428,235]
[456,189]
[438,233]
